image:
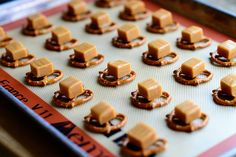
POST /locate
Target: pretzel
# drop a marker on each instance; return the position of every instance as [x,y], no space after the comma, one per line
[112,82]
[77,63]
[117,42]
[175,124]
[183,44]
[73,18]
[7,61]
[92,124]
[35,32]
[221,61]
[156,29]
[183,79]
[5,41]
[148,59]
[52,45]
[62,101]
[223,99]
[123,15]
[140,102]
[90,28]
[43,81]
[108,4]
[157,147]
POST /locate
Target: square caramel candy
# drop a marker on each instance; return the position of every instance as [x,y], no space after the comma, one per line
[2,33]
[227,49]
[142,135]
[150,89]
[61,35]
[134,7]
[193,67]
[119,68]
[162,18]
[85,51]
[16,50]
[228,84]
[103,112]
[71,87]
[159,48]
[187,111]
[37,21]
[101,19]
[41,67]
[128,32]
[192,34]
[77,7]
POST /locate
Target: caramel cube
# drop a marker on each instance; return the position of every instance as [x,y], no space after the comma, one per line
[150,89]
[192,34]
[142,135]
[134,7]
[16,50]
[37,21]
[77,7]
[128,32]
[227,49]
[71,87]
[119,68]
[162,18]
[41,67]
[85,51]
[159,48]
[61,35]
[228,84]
[187,111]
[101,19]
[103,112]
[2,33]
[193,67]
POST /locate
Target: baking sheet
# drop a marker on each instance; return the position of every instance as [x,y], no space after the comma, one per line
[179,144]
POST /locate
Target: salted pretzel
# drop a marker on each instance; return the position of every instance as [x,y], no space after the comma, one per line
[4,38]
[108,3]
[7,61]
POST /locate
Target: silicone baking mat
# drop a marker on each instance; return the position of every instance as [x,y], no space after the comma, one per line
[221,123]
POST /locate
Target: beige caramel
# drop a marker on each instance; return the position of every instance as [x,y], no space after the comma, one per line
[16,50]
[228,84]
[37,21]
[142,135]
[134,7]
[227,49]
[2,33]
[77,7]
[61,35]
[128,32]
[192,34]
[150,89]
[85,51]
[159,48]
[193,67]
[101,19]
[41,67]
[187,111]
[119,68]
[71,87]
[103,112]
[162,18]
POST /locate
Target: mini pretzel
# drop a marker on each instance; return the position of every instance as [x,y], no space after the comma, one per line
[77,63]
[216,58]
[112,82]
[148,59]
[183,44]
[90,28]
[92,124]
[136,17]
[175,124]
[35,32]
[43,81]
[6,61]
[183,79]
[117,42]
[156,29]
[223,99]
[73,18]
[140,102]
[5,41]
[52,45]
[157,147]
[62,101]
[108,4]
